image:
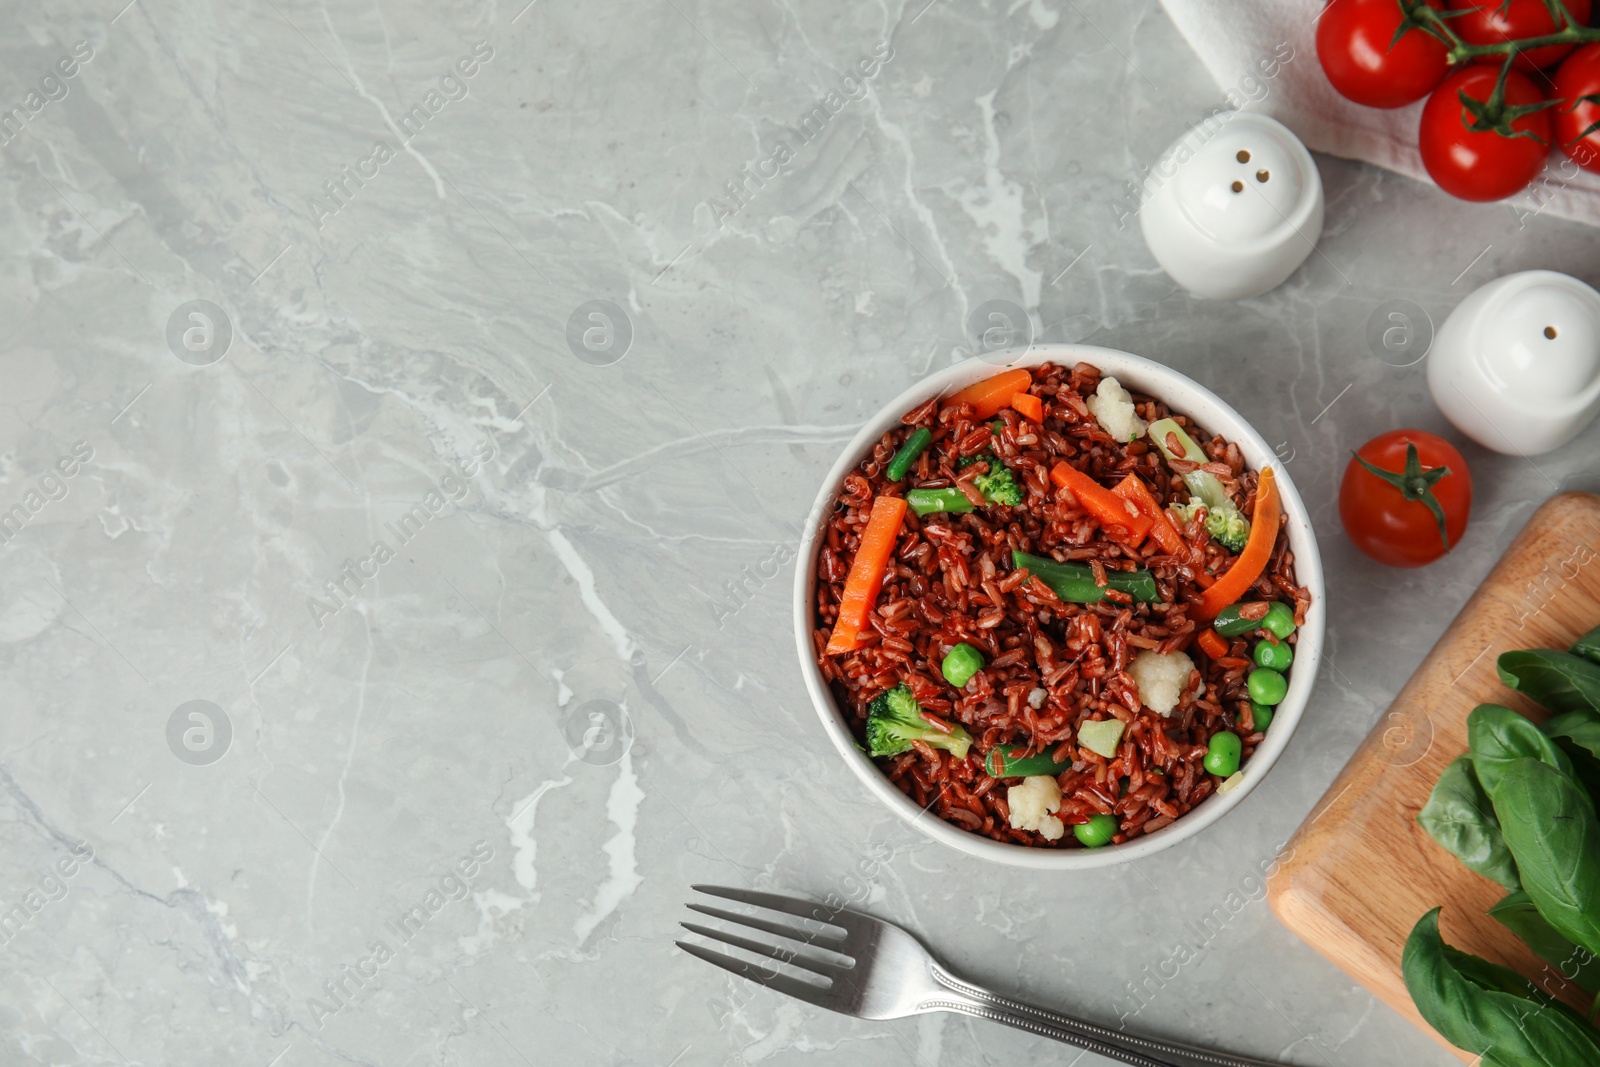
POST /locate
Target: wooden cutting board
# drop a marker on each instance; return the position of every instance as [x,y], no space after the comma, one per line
[1359,872]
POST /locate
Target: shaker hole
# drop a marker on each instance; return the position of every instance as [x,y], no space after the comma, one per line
[1243,156]
[1238,187]
[1262,175]
[1550,332]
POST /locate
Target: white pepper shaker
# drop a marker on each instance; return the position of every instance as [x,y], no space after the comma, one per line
[1516,366]
[1233,207]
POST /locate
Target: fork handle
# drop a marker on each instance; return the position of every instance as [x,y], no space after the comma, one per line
[969,999]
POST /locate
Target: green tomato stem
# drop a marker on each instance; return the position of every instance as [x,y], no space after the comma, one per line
[1415,484]
[1417,13]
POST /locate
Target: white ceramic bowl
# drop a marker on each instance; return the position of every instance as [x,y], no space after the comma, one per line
[1184,396]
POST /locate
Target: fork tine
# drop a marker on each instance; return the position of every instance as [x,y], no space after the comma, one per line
[811,994]
[806,909]
[782,955]
[829,941]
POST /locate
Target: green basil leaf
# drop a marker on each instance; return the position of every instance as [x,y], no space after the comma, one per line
[1582,728]
[1588,646]
[1559,680]
[1480,1006]
[1499,736]
[1577,965]
[1549,824]
[1491,976]
[1460,818]
[1579,734]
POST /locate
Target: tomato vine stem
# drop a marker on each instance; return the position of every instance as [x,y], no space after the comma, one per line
[1420,14]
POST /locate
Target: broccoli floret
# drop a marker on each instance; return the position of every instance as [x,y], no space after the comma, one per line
[998,485]
[1226,524]
[894,720]
[1228,527]
[1224,521]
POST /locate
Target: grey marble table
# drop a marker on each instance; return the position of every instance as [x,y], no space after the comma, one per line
[390,637]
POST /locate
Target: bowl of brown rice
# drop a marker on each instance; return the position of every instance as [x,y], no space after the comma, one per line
[1059,607]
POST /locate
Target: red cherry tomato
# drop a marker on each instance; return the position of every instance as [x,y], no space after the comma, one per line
[1353,44]
[1388,516]
[1578,77]
[1482,165]
[1496,21]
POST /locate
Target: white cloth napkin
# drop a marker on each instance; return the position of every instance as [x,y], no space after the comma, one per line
[1263,56]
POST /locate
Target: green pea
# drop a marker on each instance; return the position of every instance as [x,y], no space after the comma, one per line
[961,663]
[1279,620]
[1222,755]
[1262,714]
[1099,830]
[1275,654]
[1267,686]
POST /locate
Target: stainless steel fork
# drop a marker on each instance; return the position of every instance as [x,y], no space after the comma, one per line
[874,970]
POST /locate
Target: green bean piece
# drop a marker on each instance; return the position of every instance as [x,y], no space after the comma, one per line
[931,501]
[915,445]
[1013,764]
[1278,621]
[1074,582]
[1229,624]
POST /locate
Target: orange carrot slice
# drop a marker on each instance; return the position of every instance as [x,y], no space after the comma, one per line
[861,585]
[1029,405]
[1252,562]
[990,395]
[1133,489]
[1121,519]
[1212,644]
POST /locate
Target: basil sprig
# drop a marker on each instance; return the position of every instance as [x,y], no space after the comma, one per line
[1588,646]
[1460,818]
[1499,737]
[1549,824]
[1490,1010]
[1560,681]
[1520,808]
[1517,913]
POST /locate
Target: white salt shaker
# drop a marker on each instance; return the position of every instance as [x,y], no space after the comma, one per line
[1516,366]
[1233,207]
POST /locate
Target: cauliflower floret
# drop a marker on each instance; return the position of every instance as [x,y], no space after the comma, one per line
[1113,409]
[1032,803]
[1161,678]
